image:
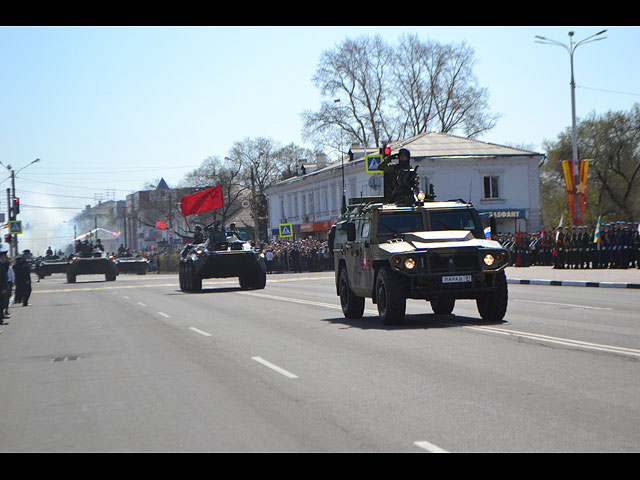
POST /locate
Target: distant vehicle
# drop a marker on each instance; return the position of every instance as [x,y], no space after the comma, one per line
[90,263]
[128,263]
[51,264]
[230,258]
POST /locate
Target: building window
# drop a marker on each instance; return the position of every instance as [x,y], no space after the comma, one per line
[491,187]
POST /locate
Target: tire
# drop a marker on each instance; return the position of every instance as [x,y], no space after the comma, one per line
[181,281]
[195,282]
[493,306]
[391,297]
[443,306]
[352,305]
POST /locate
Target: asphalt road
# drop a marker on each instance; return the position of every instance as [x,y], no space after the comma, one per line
[137,365]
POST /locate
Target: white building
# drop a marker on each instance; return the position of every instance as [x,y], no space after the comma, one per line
[500,181]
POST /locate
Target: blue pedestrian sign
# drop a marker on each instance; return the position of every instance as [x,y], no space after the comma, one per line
[15,226]
[286,230]
[372,163]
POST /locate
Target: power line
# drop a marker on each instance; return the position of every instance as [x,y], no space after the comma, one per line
[609,91]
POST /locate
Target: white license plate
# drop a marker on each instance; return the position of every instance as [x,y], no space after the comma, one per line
[456,279]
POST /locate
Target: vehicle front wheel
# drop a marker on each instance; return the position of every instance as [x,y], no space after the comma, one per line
[493,306]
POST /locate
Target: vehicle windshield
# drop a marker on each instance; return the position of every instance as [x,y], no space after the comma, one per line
[400,222]
[455,220]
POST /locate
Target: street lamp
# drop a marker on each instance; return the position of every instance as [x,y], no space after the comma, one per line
[571,48]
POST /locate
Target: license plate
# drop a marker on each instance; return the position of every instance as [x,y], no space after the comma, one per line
[456,279]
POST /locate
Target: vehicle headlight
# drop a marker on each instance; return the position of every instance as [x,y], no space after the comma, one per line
[199,251]
[488,260]
[409,263]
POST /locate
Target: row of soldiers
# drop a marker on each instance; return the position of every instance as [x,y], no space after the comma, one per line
[617,246]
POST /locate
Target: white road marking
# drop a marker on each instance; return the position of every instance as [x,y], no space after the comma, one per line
[562,304]
[164,315]
[430,447]
[142,304]
[499,331]
[197,330]
[274,367]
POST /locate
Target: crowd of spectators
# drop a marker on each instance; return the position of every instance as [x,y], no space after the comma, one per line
[298,256]
[617,246]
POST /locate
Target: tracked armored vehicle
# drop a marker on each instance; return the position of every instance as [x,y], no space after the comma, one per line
[400,247]
[229,258]
[51,264]
[91,262]
[127,263]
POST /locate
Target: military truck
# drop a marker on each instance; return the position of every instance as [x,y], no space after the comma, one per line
[229,257]
[400,247]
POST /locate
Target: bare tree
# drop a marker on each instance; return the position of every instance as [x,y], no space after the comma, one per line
[356,73]
[392,93]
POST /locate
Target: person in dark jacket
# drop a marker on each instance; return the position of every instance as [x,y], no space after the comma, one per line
[4,283]
[23,278]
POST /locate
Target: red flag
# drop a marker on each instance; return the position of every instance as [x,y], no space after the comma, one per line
[202,201]
[161,225]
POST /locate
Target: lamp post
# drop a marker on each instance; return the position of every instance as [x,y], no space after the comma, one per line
[12,202]
[571,48]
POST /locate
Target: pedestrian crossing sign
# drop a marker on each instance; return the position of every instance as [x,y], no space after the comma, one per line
[372,163]
[286,230]
[15,226]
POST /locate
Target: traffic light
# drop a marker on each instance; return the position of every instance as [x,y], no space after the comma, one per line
[7,238]
[16,206]
[385,151]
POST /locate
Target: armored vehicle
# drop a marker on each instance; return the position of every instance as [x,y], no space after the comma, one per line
[128,263]
[91,262]
[400,246]
[51,264]
[229,258]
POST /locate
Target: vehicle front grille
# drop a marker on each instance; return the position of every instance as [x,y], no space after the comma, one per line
[452,262]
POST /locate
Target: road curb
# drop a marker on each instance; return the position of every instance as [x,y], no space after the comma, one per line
[573,283]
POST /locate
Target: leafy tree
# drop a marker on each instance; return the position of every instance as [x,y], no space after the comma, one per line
[612,142]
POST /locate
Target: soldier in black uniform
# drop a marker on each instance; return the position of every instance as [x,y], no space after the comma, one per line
[217,237]
[560,249]
[584,248]
[23,278]
[399,180]
[4,285]
[198,237]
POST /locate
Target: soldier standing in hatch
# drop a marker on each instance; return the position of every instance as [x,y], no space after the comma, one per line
[198,237]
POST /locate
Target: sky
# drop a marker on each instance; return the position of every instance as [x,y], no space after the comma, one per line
[108,110]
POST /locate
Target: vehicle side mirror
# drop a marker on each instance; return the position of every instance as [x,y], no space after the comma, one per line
[351,231]
[494,227]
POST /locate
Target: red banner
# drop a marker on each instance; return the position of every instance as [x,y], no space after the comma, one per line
[202,202]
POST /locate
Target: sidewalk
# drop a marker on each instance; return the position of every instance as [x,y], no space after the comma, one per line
[538,275]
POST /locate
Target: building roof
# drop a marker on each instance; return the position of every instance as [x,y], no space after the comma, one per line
[430,145]
[427,145]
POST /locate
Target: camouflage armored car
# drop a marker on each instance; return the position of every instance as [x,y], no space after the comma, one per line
[230,257]
[91,262]
[393,248]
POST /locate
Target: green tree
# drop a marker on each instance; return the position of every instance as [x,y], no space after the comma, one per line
[612,144]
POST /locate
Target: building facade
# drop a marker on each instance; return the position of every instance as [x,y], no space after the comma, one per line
[500,181]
